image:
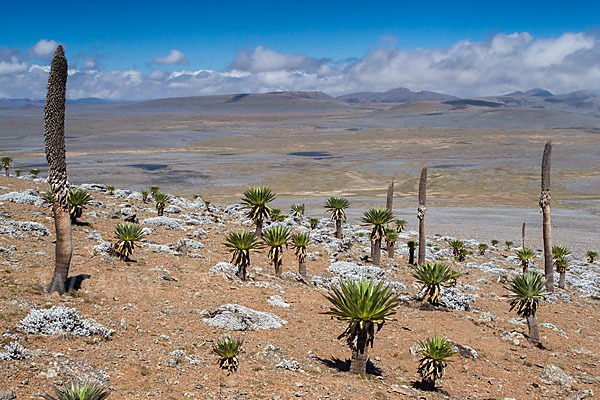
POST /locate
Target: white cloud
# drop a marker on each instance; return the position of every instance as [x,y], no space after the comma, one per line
[174,57]
[262,59]
[90,63]
[504,63]
[44,48]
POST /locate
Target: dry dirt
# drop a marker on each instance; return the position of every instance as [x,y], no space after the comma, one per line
[137,357]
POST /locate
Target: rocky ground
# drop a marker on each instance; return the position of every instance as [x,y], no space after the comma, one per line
[145,328]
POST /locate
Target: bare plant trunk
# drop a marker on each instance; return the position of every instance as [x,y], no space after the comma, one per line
[259,226]
[391,249]
[562,280]
[376,251]
[302,269]
[54,143]
[277,265]
[241,272]
[389,204]
[545,205]
[534,331]
[421,214]
[523,234]
[338,228]
[411,256]
[360,354]
[6,169]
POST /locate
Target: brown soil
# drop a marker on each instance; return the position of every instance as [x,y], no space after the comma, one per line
[136,358]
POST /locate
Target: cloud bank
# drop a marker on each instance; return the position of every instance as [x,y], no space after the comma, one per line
[504,63]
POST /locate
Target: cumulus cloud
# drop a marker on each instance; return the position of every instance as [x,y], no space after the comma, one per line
[501,64]
[262,59]
[44,48]
[90,63]
[174,57]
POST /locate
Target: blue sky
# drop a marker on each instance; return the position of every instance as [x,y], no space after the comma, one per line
[113,36]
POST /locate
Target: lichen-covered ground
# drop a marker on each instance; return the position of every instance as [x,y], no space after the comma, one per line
[157,306]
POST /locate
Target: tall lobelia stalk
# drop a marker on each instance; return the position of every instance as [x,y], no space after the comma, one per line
[54,133]
[389,204]
[523,234]
[421,214]
[545,206]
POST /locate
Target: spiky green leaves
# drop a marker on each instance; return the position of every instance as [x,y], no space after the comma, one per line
[300,241]
[559,255]
[391,235]
[276,237]
[432,276]
[110,190]
[482,248]
[228,349]
[336,206]
[363,305]
[256,200]
[297,210]
[525,256]
[456,246]
[378,217]
[127,234]
[48,198]
[412,244]
[313,222]
[240,244]
[591,256]
[400,224]
[527,290]
[154,189]
[78,199]
[161,200]
[6,163]
[78,391]
[435,354]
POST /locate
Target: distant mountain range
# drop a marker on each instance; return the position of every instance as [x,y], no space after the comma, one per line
[398,95]
[318,102]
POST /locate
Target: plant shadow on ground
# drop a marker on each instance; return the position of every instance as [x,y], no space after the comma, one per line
[74,282]
[344,365]
[427,388]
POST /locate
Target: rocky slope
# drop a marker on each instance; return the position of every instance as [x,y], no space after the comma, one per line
[145,328]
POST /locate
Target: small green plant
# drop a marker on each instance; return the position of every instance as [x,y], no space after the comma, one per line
[161,200]
[276,237]
[525,256]
[127,234]
[18,172]
[6,163]
[110,190]
[436,353]
[591,256]
[462,255]
[34,172]
[78,199]
[78,391]
[432,276]
[145,196]
[400,224]
[48,198]
[240,244]
[300,241]
[527,291]
[391,236]
[508,244]
[494,242]
[365,306]
[154,189]
[337,206]
[456,246]
[377,218]
[297,210]
[228,350]
[256,202]
[482,248]
[313,222]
